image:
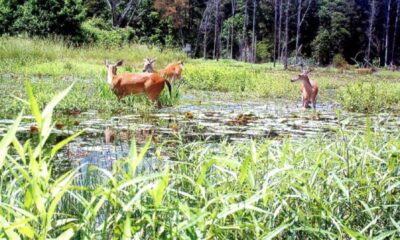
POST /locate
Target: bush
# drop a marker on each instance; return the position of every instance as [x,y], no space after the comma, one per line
[339,61]
[369,97]
[263,51]
[97,31]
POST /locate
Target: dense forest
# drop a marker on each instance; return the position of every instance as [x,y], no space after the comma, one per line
[289,31]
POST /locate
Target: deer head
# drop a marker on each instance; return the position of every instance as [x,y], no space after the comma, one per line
[181,64]
[301,77]
[112,69]
[148,65]
[306,71]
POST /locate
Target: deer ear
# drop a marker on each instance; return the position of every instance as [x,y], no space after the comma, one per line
[106,62]
[119,63]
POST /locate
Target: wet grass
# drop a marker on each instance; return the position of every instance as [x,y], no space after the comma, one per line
[338,188]
[52,64]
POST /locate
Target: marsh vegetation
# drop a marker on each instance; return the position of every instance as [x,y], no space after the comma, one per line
[232,156]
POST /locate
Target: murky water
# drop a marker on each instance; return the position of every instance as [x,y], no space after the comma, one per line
[105,140]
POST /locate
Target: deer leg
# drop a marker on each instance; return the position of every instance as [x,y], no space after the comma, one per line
[154,95]
[302,100]
[314,103]
[159,104]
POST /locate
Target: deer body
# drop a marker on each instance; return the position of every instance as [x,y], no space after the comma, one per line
[173,71]
[126,84]
[365,71]
[308,89]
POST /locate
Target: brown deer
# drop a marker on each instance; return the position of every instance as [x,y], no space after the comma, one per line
[308,89]
[126,84]
[173,71]
[365,71]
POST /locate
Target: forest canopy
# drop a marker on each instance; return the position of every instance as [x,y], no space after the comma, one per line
[291,31]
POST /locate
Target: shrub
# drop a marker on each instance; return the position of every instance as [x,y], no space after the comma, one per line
[97,31]
[369,97]
[263,51]
[339,61]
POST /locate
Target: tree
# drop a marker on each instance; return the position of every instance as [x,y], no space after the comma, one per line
[300,20]
[217,4]
[175,10]
[387,26]
[285,62]
[370,29]
[335,18]
[254,40]
[233,6]
[44,17]
[396,25]
[120,10]
[275,28]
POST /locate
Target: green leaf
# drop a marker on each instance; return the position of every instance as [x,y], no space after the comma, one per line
[384,235]
[48,111]
[68,234]
[127,228]
[7,139]
[276,232]
[133,158]
[341,186]
[159,190]
[61,144]
[33,104]
[9,233]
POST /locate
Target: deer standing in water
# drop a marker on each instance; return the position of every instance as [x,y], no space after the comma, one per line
[135,83]
[308,89]
[173,71]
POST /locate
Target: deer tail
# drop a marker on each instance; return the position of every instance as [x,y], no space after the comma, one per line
[169,88]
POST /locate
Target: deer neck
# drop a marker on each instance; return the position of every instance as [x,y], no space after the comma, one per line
[110,76]
[307,84]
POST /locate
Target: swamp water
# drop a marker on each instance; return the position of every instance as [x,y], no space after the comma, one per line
[105,140]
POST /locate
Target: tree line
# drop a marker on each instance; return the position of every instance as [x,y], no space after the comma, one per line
[291,32]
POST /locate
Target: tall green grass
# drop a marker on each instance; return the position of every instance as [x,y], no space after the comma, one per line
[342,187]
[58,62]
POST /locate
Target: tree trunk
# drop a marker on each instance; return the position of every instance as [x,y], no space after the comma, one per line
[396,25]
[244,35]
[233,26]
[254,46]
[201,28]
[216,29]
[280,30]
[205,39]
[387,25]
[286,35]
[298,25]
[119,20]
[275,29]
[370,30]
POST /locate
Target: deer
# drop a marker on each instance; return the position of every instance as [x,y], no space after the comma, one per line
[308,89]
[126,84]
[365,71]
[173,71]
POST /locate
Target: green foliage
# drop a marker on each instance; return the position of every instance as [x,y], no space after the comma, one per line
[59,17]
[309,188]
[264,49]
[7,17]
[322,47]
[339,61]
[369,96]
[96,30]
[335,19]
